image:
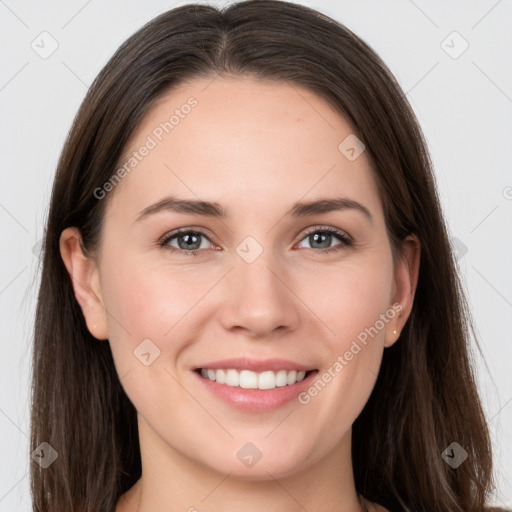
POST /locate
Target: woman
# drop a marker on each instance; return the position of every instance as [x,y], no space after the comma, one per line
[195,349]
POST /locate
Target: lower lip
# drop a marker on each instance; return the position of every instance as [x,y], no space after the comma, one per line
[257,400]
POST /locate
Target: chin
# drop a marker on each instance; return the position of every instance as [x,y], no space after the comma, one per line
[254,464]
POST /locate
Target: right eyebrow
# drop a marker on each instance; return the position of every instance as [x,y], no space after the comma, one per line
[196,207]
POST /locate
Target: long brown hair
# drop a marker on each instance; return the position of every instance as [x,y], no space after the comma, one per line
[425,396]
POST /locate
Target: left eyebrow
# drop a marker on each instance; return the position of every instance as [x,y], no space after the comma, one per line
[328,205]
[214,209]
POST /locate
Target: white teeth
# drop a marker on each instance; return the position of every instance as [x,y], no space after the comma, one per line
[292,377]
[232,378]
[220,376]
[281,378]
[247,379]
[267,380]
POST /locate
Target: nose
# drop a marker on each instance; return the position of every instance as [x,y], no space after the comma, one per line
[258,298]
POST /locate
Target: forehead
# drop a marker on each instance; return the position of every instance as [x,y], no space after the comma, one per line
[248,142]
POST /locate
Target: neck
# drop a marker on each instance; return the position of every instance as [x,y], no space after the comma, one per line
[169,479]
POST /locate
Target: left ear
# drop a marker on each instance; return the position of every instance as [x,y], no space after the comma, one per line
[405,282]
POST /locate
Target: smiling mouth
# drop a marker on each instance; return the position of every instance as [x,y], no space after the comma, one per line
[247,379]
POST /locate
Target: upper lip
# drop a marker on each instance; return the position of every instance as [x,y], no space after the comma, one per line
[255,365]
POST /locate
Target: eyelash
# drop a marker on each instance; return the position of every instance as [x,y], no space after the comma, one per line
[346,241]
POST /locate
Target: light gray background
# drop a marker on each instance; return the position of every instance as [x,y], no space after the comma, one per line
[464,105]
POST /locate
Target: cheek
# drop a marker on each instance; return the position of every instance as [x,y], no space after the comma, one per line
[355,308]
[352,355]
[147,301]
[350,298]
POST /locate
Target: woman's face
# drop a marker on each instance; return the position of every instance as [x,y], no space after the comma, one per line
[267,289]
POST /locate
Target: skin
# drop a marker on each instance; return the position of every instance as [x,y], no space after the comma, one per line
[256,148]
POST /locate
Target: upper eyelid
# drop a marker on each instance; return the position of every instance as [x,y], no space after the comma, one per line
[329,229]
[201,231]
